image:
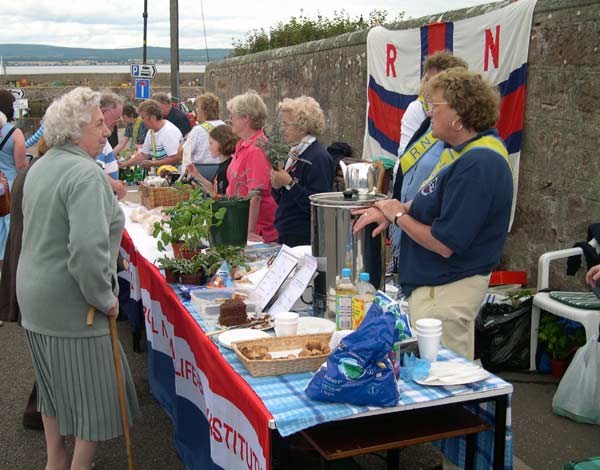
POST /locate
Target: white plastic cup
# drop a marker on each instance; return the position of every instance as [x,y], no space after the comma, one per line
[286,324]
[429,345]
[430,332]
[428,324]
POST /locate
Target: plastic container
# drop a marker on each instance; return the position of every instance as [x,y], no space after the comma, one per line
[286,324]
[234,228]
[344,293]
[361,303]
[208,302]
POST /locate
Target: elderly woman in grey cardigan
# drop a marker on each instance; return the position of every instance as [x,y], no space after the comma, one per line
[72,232]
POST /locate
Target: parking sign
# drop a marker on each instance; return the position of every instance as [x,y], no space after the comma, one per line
[142,89]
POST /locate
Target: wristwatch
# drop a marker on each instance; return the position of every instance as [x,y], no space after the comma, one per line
[291,185]
[398,215]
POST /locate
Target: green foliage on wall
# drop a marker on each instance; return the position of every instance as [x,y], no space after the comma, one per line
[303,29]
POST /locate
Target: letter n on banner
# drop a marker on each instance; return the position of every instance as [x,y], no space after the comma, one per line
[492,48]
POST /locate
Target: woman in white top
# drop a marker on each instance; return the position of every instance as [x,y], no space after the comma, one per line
[195,149]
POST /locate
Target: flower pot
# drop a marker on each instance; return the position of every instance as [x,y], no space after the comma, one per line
[234,228]
[172,276]
[180,252]
[558,368]
[195,279]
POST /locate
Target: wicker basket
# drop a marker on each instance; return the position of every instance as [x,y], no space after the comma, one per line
[262,368]
[160,196]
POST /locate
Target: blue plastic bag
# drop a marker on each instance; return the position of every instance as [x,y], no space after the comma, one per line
[359,371]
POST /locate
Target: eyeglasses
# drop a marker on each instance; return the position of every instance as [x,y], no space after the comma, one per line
[431,105]
[112,115]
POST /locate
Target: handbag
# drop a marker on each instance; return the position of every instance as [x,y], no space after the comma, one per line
[5,198]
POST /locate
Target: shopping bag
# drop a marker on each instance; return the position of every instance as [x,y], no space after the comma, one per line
[359,370]
[578,394]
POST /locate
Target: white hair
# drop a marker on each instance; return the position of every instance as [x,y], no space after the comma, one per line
[66,116]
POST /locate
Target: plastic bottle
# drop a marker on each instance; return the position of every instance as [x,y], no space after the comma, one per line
[365,295]
[344,293]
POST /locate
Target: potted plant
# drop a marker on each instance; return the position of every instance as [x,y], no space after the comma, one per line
[560,344]
[192,270]
[233,229]
[172,267]
[188,225]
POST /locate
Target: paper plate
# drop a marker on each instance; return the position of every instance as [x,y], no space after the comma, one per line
[241,334]
[314,325]
[465,374]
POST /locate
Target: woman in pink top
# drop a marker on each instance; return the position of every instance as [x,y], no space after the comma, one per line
[249,171]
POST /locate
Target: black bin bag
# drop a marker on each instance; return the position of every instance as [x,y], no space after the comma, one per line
[502,336]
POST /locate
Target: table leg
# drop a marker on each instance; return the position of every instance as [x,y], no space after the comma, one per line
[471,442]
[393,459]
[501,403]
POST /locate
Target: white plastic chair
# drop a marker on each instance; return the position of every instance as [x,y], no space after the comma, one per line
[590,319]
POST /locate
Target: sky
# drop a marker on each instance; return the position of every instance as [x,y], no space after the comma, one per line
[115,24]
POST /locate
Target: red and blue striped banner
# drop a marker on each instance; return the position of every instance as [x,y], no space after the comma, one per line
[495,44]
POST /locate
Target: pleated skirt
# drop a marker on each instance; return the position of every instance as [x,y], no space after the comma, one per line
[77,384]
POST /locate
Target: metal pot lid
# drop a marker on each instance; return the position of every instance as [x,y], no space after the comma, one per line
[347,198]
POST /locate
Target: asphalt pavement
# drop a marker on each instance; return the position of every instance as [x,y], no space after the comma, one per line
[541,440]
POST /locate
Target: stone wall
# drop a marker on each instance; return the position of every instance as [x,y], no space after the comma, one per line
[559,192]
[46,87]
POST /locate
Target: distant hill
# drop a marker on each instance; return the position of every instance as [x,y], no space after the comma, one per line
[34,53]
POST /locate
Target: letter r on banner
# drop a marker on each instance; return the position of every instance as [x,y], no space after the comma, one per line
[391,55]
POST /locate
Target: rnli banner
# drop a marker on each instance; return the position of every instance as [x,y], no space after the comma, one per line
[218,421]
[494,44]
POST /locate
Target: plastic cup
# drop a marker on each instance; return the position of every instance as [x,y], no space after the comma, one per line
[429,345]
[286,324]
[428,324]
[429,332]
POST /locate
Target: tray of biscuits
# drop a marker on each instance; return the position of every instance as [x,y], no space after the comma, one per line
[281,355]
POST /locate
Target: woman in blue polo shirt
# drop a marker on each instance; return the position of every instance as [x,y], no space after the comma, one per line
[457,223]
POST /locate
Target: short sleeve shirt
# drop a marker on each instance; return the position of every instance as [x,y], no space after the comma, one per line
[468,206]
[197,141]
[250,169]
[141,136]
[166,142]
[109,162]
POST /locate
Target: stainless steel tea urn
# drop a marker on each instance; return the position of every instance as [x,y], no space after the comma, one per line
[336,247]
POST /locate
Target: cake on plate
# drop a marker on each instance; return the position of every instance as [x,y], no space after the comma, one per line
[233,312]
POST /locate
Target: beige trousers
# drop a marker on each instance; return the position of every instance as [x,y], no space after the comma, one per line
[457,305]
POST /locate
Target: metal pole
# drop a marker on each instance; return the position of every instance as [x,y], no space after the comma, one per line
[175,51]
[145,30]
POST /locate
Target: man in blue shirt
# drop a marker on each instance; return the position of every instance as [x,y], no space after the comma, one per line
[111,106]
[172,113]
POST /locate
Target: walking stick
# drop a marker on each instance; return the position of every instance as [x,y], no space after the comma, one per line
[114,336]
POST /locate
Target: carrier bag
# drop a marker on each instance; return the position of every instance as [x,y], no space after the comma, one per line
[359,370]
[578,394]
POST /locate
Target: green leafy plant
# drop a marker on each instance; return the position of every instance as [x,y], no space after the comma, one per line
[173,264]
[234,255]
[518,296]
[560,344]
[276,149]
[189,222]
[207,261]
[299,29]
